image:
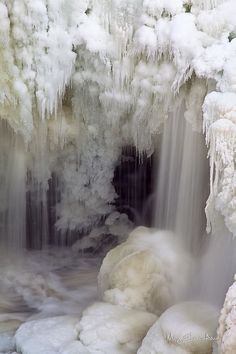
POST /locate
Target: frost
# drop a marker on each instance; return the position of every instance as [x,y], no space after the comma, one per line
[105,328]
[144,272]
[80,80]
[220,126]
[36,59]
[47,335]
[227,323]
[184,328]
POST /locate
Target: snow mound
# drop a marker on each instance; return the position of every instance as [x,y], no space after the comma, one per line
[147,272]
[227,324]
[106,329]
[185,328]
[47,336]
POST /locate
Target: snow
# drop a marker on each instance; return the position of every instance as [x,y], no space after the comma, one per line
[47,336]
[81,80]
[227,323]
[148,271]
[184,328]
[219,120]
[106,328]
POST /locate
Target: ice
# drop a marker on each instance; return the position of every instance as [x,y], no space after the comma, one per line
[182,329]
[146,272]
[106,328]
[47,336]
[227,323]
[118,67]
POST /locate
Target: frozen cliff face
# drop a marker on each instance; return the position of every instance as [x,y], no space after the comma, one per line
[146,272]
[227,323]
[124,65]
[36,60]
[220,121]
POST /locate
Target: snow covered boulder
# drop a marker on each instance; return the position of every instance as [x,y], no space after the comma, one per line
[227,324]
[147,272]
[49,336]
[110,329]
[185,328]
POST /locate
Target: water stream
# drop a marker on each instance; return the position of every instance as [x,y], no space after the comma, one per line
[181,193]
[56,281]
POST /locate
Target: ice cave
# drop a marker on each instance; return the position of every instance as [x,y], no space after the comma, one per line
[117,176]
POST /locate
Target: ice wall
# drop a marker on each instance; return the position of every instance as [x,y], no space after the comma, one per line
[79,81]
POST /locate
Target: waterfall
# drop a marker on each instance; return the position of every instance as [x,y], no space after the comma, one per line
[216,267]
[182,185]
[16,195]
[24,190]
[181,193]
[12,189]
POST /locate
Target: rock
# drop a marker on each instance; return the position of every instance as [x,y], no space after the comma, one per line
[47,336]
[110,329]
[147,272]
[75,348]
[185,328]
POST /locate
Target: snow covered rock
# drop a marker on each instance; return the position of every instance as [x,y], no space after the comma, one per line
[47,336]
[147,272]
[185,328]
[75,348]
[227,323]
[110,329]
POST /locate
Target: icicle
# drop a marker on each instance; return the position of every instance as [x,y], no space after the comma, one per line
[219,122]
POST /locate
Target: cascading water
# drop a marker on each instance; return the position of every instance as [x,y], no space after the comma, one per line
[216,267]
[15,226]
[182,181]
[37,278]
[181,194]
[80,80]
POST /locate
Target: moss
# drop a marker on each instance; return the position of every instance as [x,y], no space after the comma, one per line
[232,35]
[187,7]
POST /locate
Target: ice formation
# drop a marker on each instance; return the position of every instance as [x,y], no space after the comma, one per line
[185,328]
[114,231]
[220,121]
[146,272]
[227,323]
[81,80]
[106,329]
[50,335]
[103,328]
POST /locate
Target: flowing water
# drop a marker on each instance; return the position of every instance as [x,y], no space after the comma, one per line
[182,185]
[56,281]
[181,193]
[36,280]
[41,284]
